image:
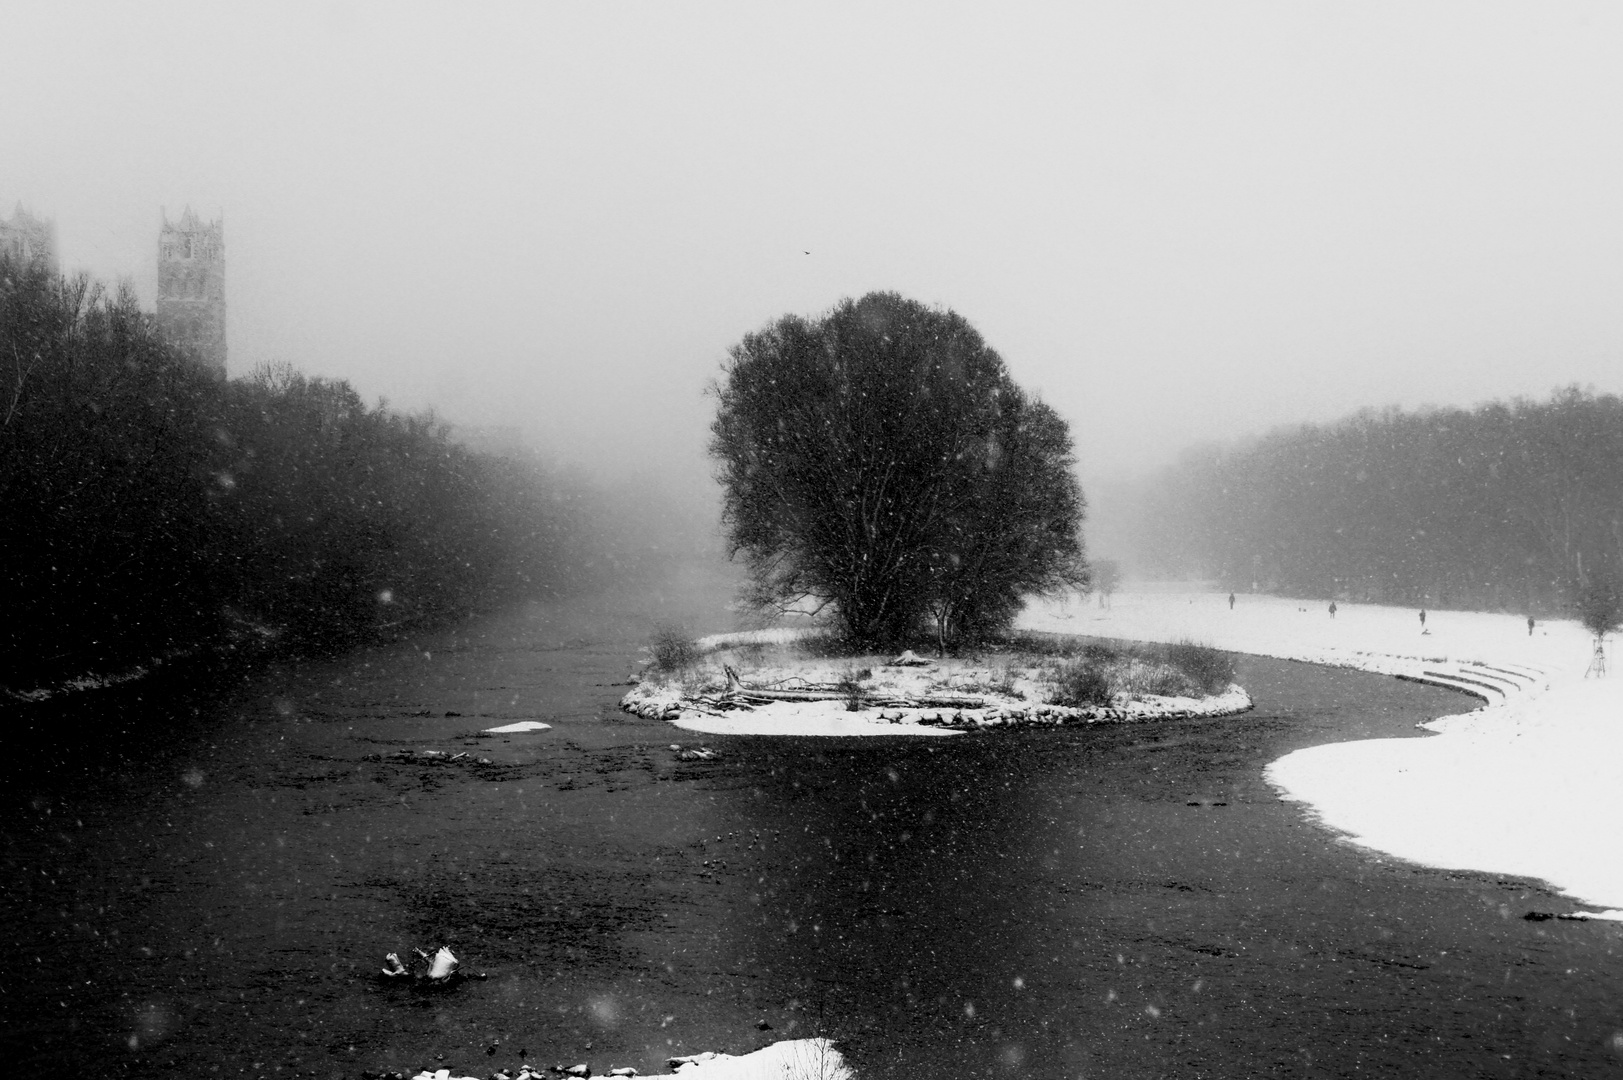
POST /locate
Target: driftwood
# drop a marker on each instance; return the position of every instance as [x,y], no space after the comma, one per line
[739,694]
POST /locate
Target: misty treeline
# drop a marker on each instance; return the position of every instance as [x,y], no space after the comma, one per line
[149,509]
[1506,507]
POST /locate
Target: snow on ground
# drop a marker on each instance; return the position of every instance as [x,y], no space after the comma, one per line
[1530,784]
[929,697]
[792,1059]
[828,718]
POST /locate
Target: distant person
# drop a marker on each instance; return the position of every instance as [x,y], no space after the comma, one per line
[1332,609]
[1422,620]
[1231,601]
[1530,626]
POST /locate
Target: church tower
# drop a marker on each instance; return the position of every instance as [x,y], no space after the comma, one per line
[191,287]
[26,239]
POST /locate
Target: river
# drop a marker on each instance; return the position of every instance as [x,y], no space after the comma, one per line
[203,879]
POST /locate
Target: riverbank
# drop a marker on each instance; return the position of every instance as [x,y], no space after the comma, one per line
[1529,783]
[791,1059]
[216,877]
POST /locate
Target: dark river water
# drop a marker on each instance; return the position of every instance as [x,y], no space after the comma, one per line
[203,880]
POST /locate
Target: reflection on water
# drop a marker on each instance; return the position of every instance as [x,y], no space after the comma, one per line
[897,890]
[1118,901]
[1121,901]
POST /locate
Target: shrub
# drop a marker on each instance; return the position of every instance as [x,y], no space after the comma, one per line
[698,680]
[1208,668]
[1003,680]
[829,644]
[1077,683]
[672,649]
[1101,651]
[1152,674]
[751,654]
[1042,643]
[850,684]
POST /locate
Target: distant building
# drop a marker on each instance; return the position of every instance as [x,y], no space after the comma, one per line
[25,238]
[191,287]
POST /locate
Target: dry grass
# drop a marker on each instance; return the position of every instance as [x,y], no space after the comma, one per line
[1077,682]
[1029,668]
[673,649]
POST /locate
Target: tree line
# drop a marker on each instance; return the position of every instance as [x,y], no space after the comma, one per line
[148,508]
[1509,506]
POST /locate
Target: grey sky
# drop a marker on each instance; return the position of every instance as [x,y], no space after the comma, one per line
[1175,221]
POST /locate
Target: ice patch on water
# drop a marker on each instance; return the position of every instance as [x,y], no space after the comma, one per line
[522,725]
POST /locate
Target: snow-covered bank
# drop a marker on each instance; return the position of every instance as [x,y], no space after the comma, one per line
[792,1059]
[930,697]
[1530,784]
[81,683]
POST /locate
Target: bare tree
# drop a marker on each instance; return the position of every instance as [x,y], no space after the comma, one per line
[1106,579]
[1599,606]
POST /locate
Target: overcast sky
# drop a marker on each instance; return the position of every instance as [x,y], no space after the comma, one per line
[1175,221]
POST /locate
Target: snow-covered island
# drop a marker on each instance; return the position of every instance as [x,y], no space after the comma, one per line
[774,682]
[790,1059]
[1530,783]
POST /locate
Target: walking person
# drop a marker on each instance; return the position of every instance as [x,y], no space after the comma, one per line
[1422,620]
[1231,601]
[1332,609]
[1530,626]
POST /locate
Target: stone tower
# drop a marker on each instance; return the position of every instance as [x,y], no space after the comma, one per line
[27,239]
[191,287]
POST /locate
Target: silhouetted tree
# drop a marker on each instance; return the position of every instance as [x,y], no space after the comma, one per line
[104,459]
[1599,601]
[148,508]
[1106,579]
[879,459]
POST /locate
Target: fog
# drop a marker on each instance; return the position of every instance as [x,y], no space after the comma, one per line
[263,644]
[1176,222]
